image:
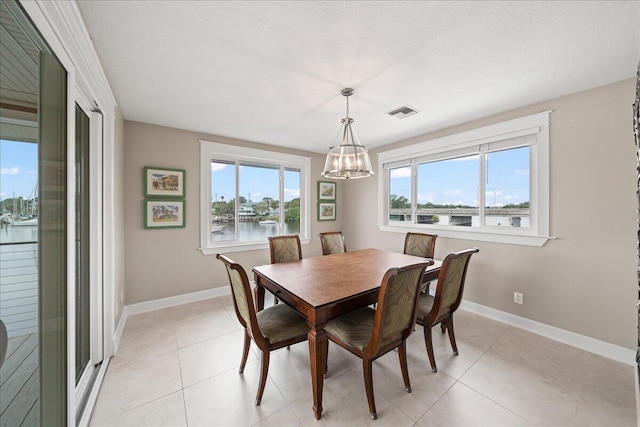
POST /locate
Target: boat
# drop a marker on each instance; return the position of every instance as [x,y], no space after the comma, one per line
[217,228]
[267,221]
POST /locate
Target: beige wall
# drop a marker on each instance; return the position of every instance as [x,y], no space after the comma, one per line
[585,281]
[164,263]
[118,220]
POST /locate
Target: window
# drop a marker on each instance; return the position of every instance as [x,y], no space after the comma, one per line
[249,195]
[489,184]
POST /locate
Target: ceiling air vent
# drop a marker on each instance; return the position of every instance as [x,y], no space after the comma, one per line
[402,112]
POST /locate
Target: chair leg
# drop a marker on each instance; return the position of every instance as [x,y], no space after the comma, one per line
[245,350]
[429,344]
[367,366]
[402,354]
[264,369]
[443,326]
[452,336]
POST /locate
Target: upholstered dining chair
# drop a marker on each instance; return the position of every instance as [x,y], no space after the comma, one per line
[370,333]
[332,243]
[284,249]
[440,308]
[272,328]
[422,245]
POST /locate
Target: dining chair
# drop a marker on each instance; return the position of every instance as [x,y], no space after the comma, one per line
[284,249]
[422,245]
[332,243]
[440,308]
[274,327]
[370,333]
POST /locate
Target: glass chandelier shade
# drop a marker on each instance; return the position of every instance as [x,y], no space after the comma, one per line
[349,159]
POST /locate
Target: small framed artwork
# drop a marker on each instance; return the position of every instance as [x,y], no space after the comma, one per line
[164,214]
[163,182]
[326,190]
[326,211]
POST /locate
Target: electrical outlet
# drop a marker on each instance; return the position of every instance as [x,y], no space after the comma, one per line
[518,297]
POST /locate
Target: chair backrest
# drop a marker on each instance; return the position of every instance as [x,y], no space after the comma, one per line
[397,306]
[332,243]
[450,285]
[420,244]
[242,299]
[285,248]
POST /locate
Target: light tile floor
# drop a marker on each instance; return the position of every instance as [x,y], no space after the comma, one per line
[179,367]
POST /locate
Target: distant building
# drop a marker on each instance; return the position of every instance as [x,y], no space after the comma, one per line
[246,210]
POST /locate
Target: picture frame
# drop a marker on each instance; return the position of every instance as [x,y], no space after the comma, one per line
[326,211]
[327,190]
[164,213]
[164,182]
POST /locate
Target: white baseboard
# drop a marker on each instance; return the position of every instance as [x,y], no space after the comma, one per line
[143,307]
[583,342]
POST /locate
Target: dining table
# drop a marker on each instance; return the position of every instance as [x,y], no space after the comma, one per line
[324,287]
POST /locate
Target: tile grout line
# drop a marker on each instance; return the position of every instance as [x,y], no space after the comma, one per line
[455,381]
[184,401]
[129,361]
[482,394]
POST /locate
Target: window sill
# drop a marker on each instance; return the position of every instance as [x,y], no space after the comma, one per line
[241,247]
[471,234]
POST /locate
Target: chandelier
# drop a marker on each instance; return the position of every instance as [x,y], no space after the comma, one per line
[349,159]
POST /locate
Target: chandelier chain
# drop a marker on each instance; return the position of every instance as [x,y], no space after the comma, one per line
[347,106]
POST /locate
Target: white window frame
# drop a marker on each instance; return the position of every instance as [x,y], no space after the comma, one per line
[534,129]
[215,151]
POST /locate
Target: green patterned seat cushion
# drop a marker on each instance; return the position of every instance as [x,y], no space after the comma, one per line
[280,323]
[354,328]
[425,303]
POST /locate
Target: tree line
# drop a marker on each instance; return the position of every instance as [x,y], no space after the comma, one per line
[261,208]
[401,202]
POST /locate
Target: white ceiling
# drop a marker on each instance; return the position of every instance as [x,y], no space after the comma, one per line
[272,72]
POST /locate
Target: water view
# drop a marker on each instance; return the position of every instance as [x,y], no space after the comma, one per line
[252,231]
[11,234]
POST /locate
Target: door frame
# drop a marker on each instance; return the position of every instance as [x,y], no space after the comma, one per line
[61,24]
[96,316]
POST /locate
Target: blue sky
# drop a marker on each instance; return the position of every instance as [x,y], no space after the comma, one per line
[18,168]
[255,182]
[455,181]
[446,182]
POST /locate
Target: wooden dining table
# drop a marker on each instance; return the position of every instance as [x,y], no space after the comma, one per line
[322,288]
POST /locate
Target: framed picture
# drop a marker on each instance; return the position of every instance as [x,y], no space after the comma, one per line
[326,190]
[163,182]
[164,214]
[326,211]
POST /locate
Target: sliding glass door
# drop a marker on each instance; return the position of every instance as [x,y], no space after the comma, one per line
[33,232]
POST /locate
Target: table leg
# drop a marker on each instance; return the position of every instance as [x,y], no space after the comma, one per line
[318,346]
